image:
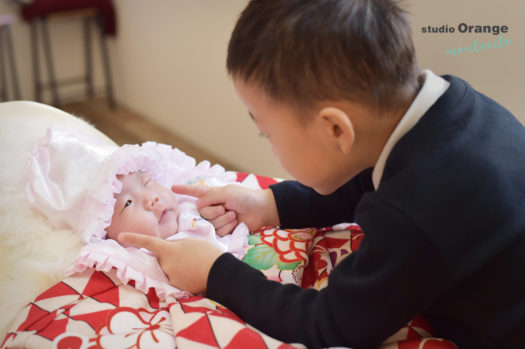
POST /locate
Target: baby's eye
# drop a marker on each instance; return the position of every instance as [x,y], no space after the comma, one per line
[128,202]
[146,179]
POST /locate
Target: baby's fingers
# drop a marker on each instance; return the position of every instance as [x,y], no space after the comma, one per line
[226,218]
[226,229]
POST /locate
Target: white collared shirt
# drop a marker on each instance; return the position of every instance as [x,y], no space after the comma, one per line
[433,88]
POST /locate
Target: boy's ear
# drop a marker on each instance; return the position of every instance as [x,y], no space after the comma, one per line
[338,127]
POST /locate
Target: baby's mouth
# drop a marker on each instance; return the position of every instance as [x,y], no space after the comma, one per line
[163,214]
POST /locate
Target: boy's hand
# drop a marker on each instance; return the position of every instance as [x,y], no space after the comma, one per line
[186,262]
[226,206]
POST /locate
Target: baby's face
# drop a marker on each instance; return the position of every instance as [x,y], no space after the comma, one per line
[145,207]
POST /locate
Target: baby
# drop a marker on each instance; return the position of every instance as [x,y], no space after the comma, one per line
[143,206]
[99,191]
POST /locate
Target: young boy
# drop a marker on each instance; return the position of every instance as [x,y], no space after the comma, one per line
[433,171]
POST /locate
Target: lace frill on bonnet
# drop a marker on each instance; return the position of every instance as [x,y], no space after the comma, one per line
[73,178]
[163,163]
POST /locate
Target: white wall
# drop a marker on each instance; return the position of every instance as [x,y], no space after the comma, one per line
[169,57]
[496,72]
[170,63]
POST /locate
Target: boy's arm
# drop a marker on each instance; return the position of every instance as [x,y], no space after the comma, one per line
[395,275]
[227,206]
[288,204]
[300,206]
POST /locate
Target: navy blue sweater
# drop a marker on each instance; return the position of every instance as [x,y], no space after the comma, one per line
[444,238]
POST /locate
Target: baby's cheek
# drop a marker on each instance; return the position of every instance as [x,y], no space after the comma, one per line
[113,235]
[151,228]
[169,229]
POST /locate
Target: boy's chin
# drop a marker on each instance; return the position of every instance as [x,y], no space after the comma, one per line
[322,187]
[324,190]
[330,186]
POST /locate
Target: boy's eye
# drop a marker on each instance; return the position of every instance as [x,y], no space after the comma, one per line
[263,135]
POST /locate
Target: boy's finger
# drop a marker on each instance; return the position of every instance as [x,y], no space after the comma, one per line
[150,243]
[191,190]
[213,197]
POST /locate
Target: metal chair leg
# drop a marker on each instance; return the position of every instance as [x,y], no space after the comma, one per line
[37,83]
[105,60]
[88,79]
[88,56]
[3,83]
[12,64]
[50,70]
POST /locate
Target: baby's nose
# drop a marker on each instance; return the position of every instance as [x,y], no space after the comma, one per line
[152,201]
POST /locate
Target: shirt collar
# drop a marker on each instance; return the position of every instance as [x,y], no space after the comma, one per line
[433,87]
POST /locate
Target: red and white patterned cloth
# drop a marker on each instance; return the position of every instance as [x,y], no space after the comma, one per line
[95,309]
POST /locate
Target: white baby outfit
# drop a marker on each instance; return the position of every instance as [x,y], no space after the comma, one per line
[72,179]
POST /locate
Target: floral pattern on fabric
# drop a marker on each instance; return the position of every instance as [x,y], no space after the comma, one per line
[280,253]
[94,309]
[128,327]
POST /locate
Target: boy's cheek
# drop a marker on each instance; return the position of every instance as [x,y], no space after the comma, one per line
[274,152]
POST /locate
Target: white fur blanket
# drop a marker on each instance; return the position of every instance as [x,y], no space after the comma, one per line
[34,256]
[29,262]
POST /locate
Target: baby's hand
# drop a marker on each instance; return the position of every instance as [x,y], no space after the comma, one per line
[226,206]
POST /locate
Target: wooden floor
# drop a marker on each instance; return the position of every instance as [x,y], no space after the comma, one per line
[127,127]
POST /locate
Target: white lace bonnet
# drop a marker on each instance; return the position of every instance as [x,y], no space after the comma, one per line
[72,177]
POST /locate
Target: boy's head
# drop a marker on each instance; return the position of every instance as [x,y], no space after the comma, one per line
[143,206]
[301,52]
[325,81]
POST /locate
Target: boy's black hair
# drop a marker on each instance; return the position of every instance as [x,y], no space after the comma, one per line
[301,52]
